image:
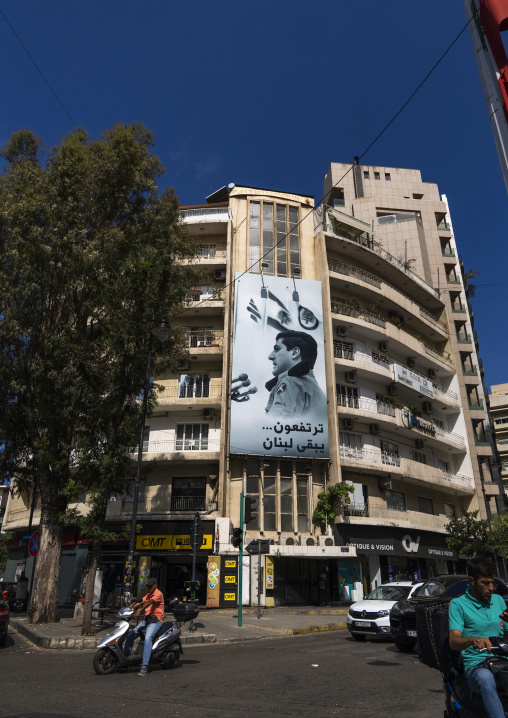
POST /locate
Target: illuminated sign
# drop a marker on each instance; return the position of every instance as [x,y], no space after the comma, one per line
[171,542]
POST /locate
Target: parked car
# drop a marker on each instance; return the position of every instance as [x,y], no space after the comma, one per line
[4,620]
[371,615]
[436,590]
[15,595]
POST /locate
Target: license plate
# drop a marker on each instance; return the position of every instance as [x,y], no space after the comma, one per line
[411,634]
[362,624]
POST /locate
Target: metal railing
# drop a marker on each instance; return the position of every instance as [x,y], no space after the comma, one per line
[444,227]
[188,503]
[206,214]
[353,509]
[350,271]
[179,445]
[457,478]
[340,307]
[376,457]
[204,338]
[211,252]
[191,392]
[365,403]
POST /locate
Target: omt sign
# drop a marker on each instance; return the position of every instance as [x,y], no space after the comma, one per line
[171,542]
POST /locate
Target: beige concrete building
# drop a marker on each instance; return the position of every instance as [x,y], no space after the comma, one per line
[405,404]
[498,400]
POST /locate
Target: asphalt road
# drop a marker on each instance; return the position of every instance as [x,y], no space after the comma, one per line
[312,676]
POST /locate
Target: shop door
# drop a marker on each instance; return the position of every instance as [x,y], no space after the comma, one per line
[68,579]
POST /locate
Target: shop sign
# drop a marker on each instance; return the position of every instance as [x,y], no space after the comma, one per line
[414,381]
[372,545]
[171,542]
[414,545]
[213,581]
[423,426]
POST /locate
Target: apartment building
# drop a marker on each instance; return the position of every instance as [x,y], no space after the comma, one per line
[498,400]
[395,409]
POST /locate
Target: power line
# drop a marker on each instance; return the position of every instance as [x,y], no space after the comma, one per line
[394,117]
[37,68]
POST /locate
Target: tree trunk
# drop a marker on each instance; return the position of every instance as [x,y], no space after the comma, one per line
[86,628]
[44,608]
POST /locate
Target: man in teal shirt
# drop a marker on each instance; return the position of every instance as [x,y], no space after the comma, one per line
[474,617]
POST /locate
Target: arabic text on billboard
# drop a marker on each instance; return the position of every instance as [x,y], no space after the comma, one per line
[278,390]
[413,380]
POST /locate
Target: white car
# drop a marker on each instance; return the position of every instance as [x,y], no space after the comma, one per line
[371,615]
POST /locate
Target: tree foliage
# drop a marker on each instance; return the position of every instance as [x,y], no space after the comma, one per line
[499,535]
[467,534]
[328,503]
[91,254]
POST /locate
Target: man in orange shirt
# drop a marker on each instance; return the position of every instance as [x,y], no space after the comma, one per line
[153,605]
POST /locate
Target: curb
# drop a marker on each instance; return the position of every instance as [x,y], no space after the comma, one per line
[88,642]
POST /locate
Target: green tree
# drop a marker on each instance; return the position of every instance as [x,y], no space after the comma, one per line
[4,537]
[329,502]
[499,535]
[467,534]
[91,251]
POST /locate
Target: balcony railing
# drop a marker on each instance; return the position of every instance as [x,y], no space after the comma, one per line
[469,371]
[210,252]
[444,227]
[349,310]
[191,392]
[457,478]
[371,455]
[464,339]
[450,436]
[481,441]
[458,309]
[448,252]
[449,395]
[452,280]
[207,338]
[349,270]
[476,405]
[188,503]
[356,509]
[179,445]
[209,295]
[205,214]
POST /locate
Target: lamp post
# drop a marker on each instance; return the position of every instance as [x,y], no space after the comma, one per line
[162,331]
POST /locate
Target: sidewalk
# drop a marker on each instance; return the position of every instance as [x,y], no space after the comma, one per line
[210,627]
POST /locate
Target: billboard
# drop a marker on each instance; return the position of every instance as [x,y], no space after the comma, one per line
[278,389]
[413,380]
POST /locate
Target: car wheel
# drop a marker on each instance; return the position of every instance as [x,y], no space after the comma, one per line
[359,636]
[104,662]
[405,645]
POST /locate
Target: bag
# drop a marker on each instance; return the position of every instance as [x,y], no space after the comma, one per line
[433,631]
[499,668]
[151,619]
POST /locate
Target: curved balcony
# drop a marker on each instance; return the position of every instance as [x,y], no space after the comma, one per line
[206,396]
[186,449]
[380,516]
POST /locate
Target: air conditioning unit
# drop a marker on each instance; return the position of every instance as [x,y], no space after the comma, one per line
[208,414]
[307,540]
[326,541]
[431,374]
[374,429]
[411,362]
[419,444]
[384,484]
[427,407]
[351,377]
[383,346]
[341,331]
[392,388]
[219,274]
[288,540]
[348,424]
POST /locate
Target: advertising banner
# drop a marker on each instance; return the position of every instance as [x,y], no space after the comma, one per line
[413,380]
[278,389]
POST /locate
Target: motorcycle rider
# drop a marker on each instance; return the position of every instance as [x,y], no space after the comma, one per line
[474,617]
[153,605]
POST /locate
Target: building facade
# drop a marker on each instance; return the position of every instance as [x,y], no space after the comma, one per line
[388,394]
[498,400]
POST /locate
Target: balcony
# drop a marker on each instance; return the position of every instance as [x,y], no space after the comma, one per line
[458,310]
[481,441]
[205,214]
[378,407]
[469,371]
[204,339]
[463,338]
[370,455]
[444,227]
[349,270]
[356,509]
[475,405]
[188,503]
[204,395]
[179,445]
[451,279]
[207,251]
[448,252]
[339,306]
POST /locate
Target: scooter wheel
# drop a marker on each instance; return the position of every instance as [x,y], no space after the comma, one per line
[104,662]
[171,659]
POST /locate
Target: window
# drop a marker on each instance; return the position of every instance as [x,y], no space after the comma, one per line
[191,386]
[343,350]
[199,336]
[395,500]
[377,175]
[274,231]
[146,439]
[188,494]
[365,174]
[380,359]
[201,292]
[192,437]
[208,251]
[350,444]
[277,486]
[443,465]
[347,396]
[419,457]
[501,420]
[425,506]
[449,509]
[390,453]
[388,176]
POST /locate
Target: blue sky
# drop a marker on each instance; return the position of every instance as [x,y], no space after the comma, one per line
[268,94]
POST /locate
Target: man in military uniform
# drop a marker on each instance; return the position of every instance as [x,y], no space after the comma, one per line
[294,392]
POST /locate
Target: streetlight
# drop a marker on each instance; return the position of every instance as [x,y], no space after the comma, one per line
[162,331]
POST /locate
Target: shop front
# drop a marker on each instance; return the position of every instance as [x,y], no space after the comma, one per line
[396,554]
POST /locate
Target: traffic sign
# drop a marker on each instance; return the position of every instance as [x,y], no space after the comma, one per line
[33,544]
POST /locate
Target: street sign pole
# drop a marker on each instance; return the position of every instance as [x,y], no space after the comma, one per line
[196,541]
[259,579]
[240,564]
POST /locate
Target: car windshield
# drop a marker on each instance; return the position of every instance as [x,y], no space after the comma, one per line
[389,593]
[450,586]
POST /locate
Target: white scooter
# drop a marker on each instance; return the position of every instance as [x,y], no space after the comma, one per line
[166,647]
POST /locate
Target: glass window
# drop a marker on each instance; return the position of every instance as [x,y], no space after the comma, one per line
[343,350]
[286,496]
[302,501]
[270,496]
[253,478]
[347,396]
[274,238]
[449,509]
[425,506]
[192,386]
[395,500]
[365,174]
[350,444]
[419,457]
[387,176]
[192,437]
[188,494]
[377,175]
[390,453]
[389,593]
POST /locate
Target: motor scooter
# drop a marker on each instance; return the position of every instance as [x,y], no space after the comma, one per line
[166,647]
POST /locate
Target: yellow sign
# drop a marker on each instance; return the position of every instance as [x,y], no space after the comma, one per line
[229,579]
[171,542]
[229,564]
[230,596]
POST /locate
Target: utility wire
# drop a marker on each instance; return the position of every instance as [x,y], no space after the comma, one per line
[37,68]
[406,103]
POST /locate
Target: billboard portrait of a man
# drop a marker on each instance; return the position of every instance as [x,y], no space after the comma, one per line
[278,320]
